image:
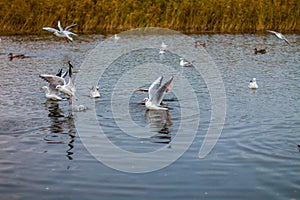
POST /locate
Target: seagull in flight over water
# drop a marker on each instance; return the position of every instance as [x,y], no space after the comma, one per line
[156,93]
[280,36]
[63,33]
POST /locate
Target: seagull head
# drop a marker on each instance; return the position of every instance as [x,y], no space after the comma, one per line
[145,100]
[43,88]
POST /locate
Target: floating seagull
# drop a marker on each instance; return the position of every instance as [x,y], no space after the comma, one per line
[253,84]
[94,92]
[163,46]
[156,94]
[117,37]
[161,51]
[63,33]
[185,63]
[197,43]
[60,83]
[280,36]
[261,51]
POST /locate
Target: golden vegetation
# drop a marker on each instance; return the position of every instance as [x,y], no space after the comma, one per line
[189,16]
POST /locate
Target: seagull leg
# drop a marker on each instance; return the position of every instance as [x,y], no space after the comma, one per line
[70,100]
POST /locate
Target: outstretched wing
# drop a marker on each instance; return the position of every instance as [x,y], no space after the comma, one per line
[68,28]
[154,87]
[59,26]
[159,95]
[53,80]
[53,30]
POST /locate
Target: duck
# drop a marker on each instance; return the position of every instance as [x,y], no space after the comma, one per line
[261,51]
[197,43]
[12,56]
[253,84]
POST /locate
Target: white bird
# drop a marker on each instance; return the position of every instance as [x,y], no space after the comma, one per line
[253,84]
[51,91]
[59,83]
[94,92]
[63,33]
[161,51]
[117,37]
[280,36]
[156,94]
[163,45]
[185,63]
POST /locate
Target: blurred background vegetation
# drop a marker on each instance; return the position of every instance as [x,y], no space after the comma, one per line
[188,16]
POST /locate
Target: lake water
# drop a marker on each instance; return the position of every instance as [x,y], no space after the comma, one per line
[256,156]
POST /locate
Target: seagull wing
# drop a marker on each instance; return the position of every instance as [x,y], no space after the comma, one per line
[158,96]
[142,91]
[59,72]
[154,87]
[68,28]
[53,30]
[286,40]
[59,26]
[53,80]
[274,32]
[70,33]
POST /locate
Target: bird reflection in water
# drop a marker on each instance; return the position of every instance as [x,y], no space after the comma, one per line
[159,122]
[61,125]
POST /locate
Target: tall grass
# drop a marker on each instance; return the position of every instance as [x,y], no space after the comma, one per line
[189,16]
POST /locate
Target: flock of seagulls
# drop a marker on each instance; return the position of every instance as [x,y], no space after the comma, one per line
[62,82]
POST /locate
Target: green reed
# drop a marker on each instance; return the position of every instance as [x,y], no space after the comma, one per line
[189,16]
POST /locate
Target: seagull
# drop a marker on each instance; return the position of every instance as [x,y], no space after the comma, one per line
[63,33]
[253,84]
[280,36]
[51,91]
[156,94]
[59,83]
[51,94]
[94,92]
[163,45]
[261,51]
[185,63]
[117,37]
[161,51]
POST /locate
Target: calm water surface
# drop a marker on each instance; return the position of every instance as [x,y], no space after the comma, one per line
[256,156]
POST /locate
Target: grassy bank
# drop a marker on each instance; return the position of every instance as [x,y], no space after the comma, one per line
[189,16]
